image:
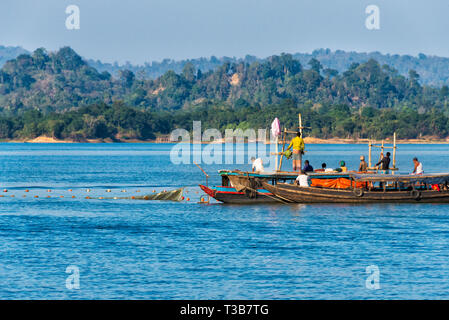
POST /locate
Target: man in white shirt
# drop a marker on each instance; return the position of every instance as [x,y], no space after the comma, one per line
[418,169]
[257,164]
[302,180]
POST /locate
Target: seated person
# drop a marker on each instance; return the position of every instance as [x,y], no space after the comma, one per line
[329,170]
[307,167]
[342,167]
[418,168]
[323,168]
[302,180]
[257,164]
[363,167]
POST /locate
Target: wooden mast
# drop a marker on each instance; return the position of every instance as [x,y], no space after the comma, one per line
[394,150]
[284,136]
[382,147]
[369,153]
[285,133]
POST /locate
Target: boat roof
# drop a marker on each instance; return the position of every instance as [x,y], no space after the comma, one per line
[434,178]
[283,174]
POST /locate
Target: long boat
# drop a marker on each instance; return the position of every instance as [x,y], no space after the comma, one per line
[369,188]
[249,187]
[241,187]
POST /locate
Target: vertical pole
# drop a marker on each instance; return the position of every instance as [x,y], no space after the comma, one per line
[382,150]
[369,154]
[300,123]
[284,135]
[277,153]
[394,150]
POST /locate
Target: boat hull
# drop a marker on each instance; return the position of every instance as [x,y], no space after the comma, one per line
[231,195]
[295,193]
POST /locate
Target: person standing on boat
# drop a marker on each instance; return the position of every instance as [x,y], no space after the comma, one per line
[298,150]
[257,164]
[385,163]
[418,167]
[363,167]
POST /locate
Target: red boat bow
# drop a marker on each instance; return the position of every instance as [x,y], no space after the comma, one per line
[208,190]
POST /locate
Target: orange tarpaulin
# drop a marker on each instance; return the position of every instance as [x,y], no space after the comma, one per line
[339,183]
[436,187]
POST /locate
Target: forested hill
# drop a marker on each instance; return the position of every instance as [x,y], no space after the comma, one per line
[62,80]
[433,70]
[8,53]
[366,100]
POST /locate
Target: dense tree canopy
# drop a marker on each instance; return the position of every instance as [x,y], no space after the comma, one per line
[59,94]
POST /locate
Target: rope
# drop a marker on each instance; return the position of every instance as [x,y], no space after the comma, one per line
[274,198]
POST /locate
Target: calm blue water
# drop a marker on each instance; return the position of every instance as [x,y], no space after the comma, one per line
[129,249]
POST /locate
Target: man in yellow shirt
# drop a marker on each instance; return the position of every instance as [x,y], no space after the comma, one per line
[298,150]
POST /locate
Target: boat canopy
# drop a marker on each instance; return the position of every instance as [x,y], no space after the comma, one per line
[283,174]
[435,178]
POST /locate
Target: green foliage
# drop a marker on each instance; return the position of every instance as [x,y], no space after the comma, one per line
[63,80]
[97,121]
[118,121]
[60,95]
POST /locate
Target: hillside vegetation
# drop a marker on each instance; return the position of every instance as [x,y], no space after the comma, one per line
[60,94]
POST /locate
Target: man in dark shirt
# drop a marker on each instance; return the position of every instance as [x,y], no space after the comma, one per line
[307,167]
[363,167]
[385,163]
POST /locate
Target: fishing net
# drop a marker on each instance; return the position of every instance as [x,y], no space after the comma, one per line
[173,195]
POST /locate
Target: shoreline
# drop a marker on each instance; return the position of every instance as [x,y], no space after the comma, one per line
[307,140]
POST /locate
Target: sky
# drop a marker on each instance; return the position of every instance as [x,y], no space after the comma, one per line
[150,30]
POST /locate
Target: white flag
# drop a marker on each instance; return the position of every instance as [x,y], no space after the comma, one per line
[275,128]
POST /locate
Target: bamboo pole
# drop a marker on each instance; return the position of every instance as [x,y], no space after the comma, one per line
[284,136]
[277,157]
[382,150]
[207,179]
[369,154]
[295,132]
[394,150]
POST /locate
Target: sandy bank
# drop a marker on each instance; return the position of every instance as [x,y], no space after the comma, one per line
[307,140]
[43,139]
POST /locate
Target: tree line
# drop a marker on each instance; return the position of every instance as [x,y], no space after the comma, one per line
[61,95]
[119,122]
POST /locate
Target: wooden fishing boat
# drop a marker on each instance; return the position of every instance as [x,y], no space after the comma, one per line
[240,187]
[249,187]
[370,188]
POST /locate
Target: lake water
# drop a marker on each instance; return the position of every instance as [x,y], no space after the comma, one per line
[130,249]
